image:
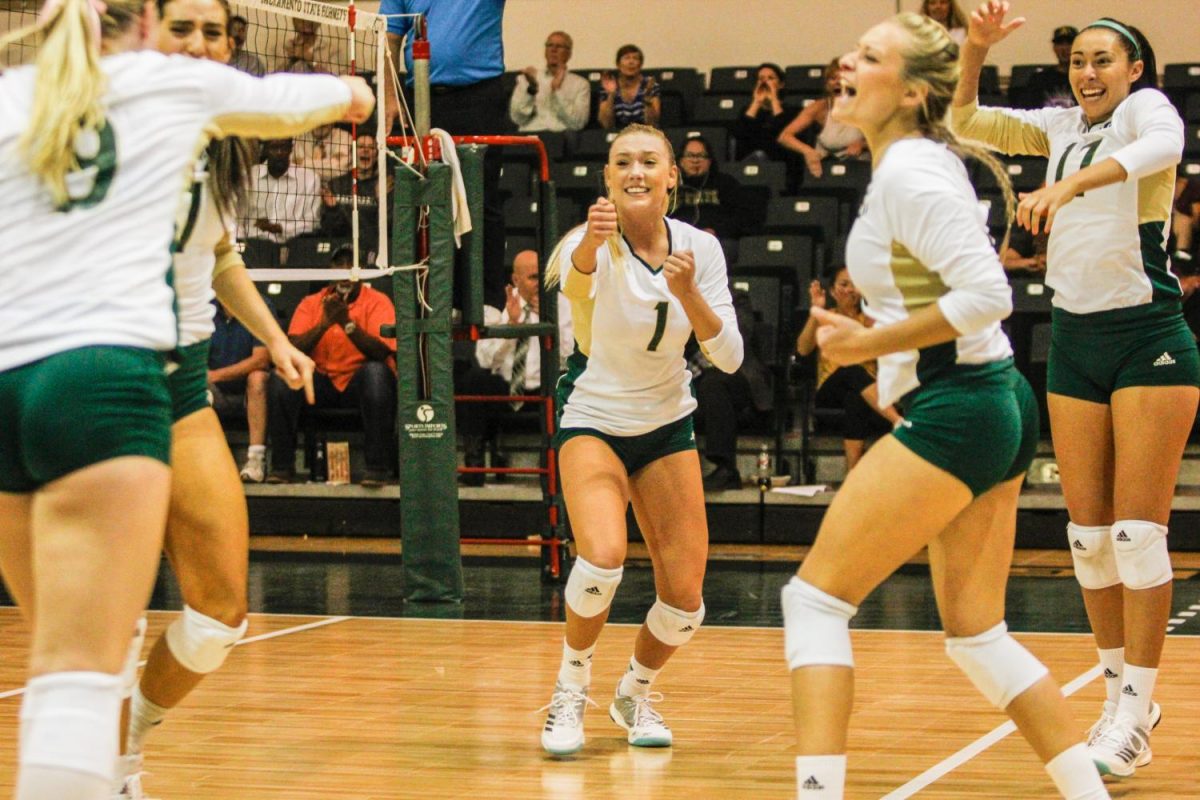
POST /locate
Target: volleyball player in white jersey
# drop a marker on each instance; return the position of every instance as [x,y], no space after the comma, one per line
[1123,368]
[97,144]
[949,475]
[207,526]
[639,286]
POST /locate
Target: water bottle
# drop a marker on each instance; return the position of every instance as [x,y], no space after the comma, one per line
[320,465]
[764,469]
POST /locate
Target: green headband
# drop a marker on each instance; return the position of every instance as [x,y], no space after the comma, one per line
[1121,29]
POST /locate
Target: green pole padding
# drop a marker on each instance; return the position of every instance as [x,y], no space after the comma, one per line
[425,393]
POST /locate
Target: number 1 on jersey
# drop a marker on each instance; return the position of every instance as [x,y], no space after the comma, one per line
[660,325]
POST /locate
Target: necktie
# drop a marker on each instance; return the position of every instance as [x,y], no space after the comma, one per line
[516,383]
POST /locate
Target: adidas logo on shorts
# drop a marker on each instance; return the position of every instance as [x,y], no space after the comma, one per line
[1128,690]
[811,784]
[1164,360]
[1109,674]
[592,590]
[1122,536]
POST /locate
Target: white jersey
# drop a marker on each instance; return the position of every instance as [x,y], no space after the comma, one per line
[98,271]
[194,263]
[1108,246]
[921,238]
[631,330]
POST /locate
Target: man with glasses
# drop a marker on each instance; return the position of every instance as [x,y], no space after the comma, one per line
[709,199]
[553,99]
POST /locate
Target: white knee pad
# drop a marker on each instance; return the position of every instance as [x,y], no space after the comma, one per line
[69,721]
[1000,668]
[1092,552]
[670,625]
[129,671]
[590,589]
[201,644]
[816,627]
[1140,549]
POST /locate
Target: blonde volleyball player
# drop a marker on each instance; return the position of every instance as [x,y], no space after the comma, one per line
[1123,368]
[207,526]
[639,285]
[96,138]
[920,254]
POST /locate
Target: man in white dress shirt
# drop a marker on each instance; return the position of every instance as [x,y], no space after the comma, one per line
[284,200]
[552,99]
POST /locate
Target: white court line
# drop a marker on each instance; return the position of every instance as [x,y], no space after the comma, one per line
[964,755]
[308,626]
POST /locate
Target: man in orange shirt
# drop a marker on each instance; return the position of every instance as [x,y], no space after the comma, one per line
[339,328]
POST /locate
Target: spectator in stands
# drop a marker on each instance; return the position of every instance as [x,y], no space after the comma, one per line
[724,398]
[627,96]
[339,328]
[498,359]
[834,139]
[238,371]
[337,199]
[1184,218]
[467,96]
[553,99]
[757,129]
[1026,252]
[310,49]
[707,198]
[949,15]
[851,388]
[324,150]
[1049,87]
[284,200]
[241,59]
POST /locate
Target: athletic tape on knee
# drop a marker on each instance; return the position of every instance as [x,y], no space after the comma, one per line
[1000,668]
[201,644]
[670,625]
[1092,552]
[816,627]
[69,721]
[129,672]
[1140,549]
[590,589]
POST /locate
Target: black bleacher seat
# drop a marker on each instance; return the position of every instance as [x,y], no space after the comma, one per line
[593,144]
[989,80]
[521,215]
[286,295]
[1185,77]
[582,181]
[1021,73]
[773,304]
[515,244]
[1191,140]
[260,253]
[732,80]
[803,215]
[1191,107]
[1027,173]
[515,177]
[312,251]
[771,175]
[718,138]
[806,79]
[672,109]
[788,257]
[846,180]
[719,109]
[1031,295]
[555,143]
[1190,168]
[568,214]
[995,208]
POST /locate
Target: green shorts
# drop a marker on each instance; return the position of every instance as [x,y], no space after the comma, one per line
[189,381]
[979,422]
[79,408]
[1094,355]
[636,452]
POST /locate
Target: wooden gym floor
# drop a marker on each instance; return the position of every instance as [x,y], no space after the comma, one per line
[383,708]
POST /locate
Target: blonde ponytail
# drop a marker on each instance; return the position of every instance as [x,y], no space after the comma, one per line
[68,85]
[932,61]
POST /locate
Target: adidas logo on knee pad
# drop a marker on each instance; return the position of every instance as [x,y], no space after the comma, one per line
[593,590]
[1122,536]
